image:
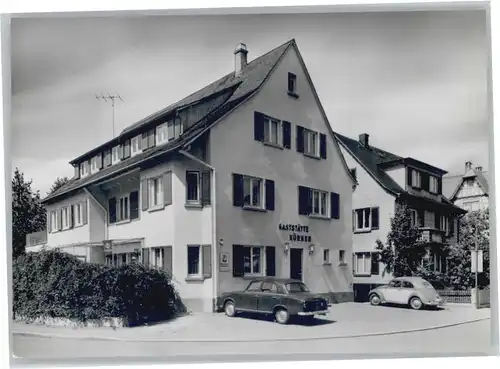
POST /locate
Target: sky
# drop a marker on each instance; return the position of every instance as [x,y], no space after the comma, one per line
[416,82]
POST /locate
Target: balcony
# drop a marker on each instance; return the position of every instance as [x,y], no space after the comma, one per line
[431,235]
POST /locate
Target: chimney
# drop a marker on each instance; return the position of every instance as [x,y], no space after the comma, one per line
[478,169]
[468,166]
[363,139]
[240,58]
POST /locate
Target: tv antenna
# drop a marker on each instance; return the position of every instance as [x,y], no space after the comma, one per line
[112,99]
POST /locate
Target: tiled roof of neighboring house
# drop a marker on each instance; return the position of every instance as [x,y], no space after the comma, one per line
[241,87]
[454,182]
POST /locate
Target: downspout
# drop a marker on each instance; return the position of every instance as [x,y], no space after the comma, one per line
[104,211]
[215,275]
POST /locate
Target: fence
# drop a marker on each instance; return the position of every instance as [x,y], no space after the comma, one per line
[456,296]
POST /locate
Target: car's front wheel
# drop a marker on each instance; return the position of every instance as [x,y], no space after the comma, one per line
[416,303]
[229,309]
[282,316]
[374,299]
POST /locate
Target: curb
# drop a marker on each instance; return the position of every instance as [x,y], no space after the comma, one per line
[203,340]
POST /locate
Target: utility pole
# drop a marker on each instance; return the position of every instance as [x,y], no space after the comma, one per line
[477,265]
[112,99]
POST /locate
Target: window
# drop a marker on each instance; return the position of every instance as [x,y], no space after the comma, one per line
[363,219]
[414,218]
[135,145]
[66,214]
[269,287]
[353,173]
[254,286]
[252,192]
[194,260]
[326,256]
[252,260]
[362,263]
[443,223]
[158,257]
[395,284]
[78,209]
[122,210]
[170,131]
[109,260]
[93,168]
[126,149]
[273,131]
[406,284]
[292,83]
[84,169]
[296,287]
[433,184]
[416,179]
[161,134]
[155,192]
[319,203]
[178,128]
[311,142]
[107,158]
[193,186]
[115,153]
[471,205]
[342,258]
[53,221]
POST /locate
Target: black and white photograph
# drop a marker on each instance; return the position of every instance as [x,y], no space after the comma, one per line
[278,184]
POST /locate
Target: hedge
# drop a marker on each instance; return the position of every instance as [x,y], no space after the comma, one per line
[58,285]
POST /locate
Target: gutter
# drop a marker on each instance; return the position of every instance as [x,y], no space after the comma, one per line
[102,208]
[215,275]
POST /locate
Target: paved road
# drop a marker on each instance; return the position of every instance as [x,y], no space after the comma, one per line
[471,338]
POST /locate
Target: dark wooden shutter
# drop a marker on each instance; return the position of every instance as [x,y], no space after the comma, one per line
[112,210]
[258,126]
[425,178]
[49,221]
[270,188]
[144,194]
[322,146]
[84,212]
[440,186]
[205,188]
[334,205]
[421,218]
[207,260]
[304,202]
[353,220]
[145,256]
[59,219]
[271,261]
[300,139]
[145,142]
[450,226]
[408,176]
[237,189]
[151,138]
[238,261]
[375,217]
[437,220]
[375,270]
[287,135]
[167,259]
[167,188]
[134,205]
[72,216]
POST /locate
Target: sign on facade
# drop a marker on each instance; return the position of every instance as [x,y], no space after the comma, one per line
[476,259]
[296,232]
[224,262]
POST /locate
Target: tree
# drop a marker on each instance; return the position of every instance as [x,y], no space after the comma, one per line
[459,260]
[59,182]
[403,251]
[28,215]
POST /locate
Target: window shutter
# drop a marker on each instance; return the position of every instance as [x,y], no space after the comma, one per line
[207,260]
[139,142]
[270,261]
[237,189]
[450,226]
[375,218]
[145,256]
[421,218]
[120,152]
[322,146]
[84,212]
[49,221]
[304,195]
[334,205]
[71,216]
[77,172]
[59,219]
[425,181]
[151,138]
[408,176]
[167,188]
[440,186]
[258,126]
[300,139]
[375,270]
[112,210]
[144,194]
[353,220]
[99,161]
[238,261]
[287,135]
[437,220]
[269,194]
[167,260]
[134,205]
[205,188]
[144,140]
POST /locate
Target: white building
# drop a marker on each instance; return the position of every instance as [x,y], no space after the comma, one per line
[243,178]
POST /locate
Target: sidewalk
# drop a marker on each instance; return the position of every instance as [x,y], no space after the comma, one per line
[344,320]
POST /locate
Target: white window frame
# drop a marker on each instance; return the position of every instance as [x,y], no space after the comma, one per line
[326,256]
[268,137]
[134,145]
[199,273]
[323,208]
[342,257]
[119,202]
[294,83]
[433,184]
[416,178]
[309,138]
[115,155]
[443,223]
[158,256]
[251,180]
[363,212]
[161,134]
[261,261]
[66,215]
[78,214]
[198,187]
[414,218]
[53,221]
[366,262]
[151,193]
[93,167]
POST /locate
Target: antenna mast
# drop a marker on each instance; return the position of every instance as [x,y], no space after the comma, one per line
[110,98]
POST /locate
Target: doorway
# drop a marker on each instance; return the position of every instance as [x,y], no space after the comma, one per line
[296,264]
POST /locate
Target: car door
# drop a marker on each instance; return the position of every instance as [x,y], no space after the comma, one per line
[268,297]
[391,291]
[249,297]
[405,291]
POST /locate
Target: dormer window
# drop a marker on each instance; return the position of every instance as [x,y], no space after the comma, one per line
[416,178]
[115,155]
[161,134]
[84,169]
[292,85]
[135,145]
[433,184]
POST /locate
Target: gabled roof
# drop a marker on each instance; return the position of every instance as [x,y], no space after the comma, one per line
[454,183]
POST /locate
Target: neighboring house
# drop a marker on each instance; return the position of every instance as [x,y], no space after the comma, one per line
[243,178]
[469,191]
[384,180]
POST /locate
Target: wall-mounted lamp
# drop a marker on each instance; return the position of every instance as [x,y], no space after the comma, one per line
[311,249]
[286,247]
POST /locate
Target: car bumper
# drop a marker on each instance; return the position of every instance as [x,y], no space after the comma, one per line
[435,303]
[311,313]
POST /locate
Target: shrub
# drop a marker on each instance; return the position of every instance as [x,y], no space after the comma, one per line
[56,284]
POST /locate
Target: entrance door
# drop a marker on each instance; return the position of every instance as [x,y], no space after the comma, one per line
[296,264]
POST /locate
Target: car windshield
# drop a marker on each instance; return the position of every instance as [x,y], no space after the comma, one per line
[296,287]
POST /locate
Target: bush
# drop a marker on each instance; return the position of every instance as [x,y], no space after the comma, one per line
[56,284]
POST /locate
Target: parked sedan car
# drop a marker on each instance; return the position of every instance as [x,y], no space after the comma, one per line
[413,291]
[282,298]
